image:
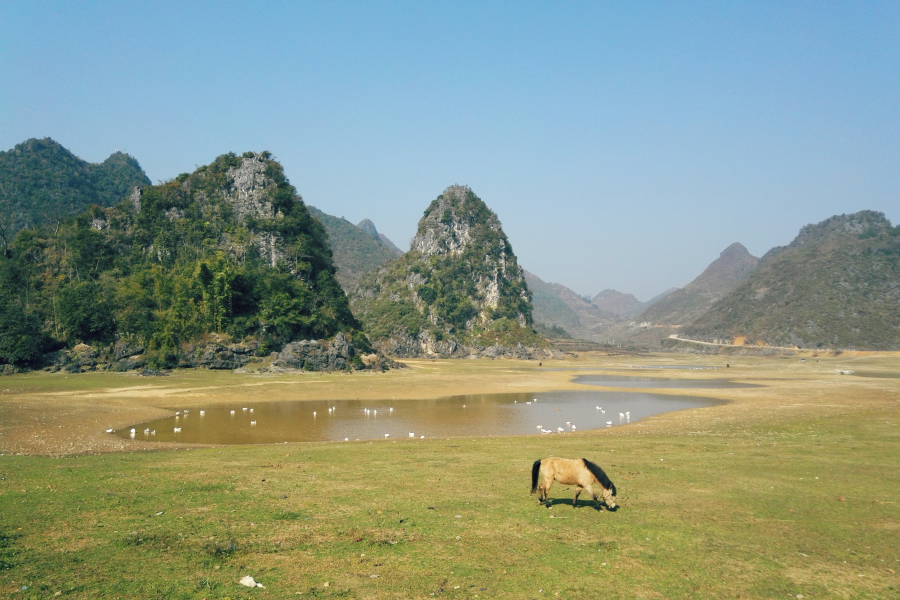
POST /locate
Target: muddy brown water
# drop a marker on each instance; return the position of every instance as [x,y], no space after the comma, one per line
[475,415]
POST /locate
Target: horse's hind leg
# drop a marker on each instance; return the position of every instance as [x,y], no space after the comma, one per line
[545,490]
[575,499]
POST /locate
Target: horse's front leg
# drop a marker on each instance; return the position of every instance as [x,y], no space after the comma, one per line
[590,490]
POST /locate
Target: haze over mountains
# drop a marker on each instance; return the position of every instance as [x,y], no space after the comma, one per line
[231,249]
[718,279]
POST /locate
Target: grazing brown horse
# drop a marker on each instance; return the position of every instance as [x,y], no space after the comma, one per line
[579,472]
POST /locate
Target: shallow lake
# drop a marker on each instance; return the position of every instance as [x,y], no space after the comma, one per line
[628,381]
[877,374]
[475,415]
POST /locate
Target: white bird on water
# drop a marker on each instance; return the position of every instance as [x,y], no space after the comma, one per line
[146,431]
[560,429]
[387,435]
[609,423]
[568,422]
[573,428]
[177,429]
[153,432]
[132,430]
[251,410]
[621,416]
[109,431]
[346,439]
[232,412]
[253,422]
[411,434]
[540,426]
[202,412]
[421,437]
[245,408]
[314,413]
[392,409]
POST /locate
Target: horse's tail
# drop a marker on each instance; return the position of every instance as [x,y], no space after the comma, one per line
[600,474]
[535,469]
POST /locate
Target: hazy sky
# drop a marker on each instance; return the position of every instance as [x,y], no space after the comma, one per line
[622,145]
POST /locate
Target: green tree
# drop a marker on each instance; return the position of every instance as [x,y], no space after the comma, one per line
[20,335]
[85,313]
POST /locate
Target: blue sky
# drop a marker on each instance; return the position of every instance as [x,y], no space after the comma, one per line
[622,145]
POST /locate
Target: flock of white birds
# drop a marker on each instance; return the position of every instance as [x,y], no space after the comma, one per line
[624,417]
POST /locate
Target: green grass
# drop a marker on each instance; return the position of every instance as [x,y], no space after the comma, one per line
[735,512]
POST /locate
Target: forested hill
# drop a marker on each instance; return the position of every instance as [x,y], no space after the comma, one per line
[356,251]
[40,182]
[228,251]
[459,291]
[837,285]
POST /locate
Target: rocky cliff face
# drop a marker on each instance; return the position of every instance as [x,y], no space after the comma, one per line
[458,291]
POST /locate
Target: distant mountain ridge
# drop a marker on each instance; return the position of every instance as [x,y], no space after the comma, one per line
[836,285]
[685,305]
[594,319]
[624,306]
[369,227]
[355,248]
[41,181]
[549,308]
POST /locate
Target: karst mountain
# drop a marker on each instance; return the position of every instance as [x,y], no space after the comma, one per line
[459,291]
[212,268]
[836,286]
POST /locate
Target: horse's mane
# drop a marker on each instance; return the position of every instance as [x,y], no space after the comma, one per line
[600,474]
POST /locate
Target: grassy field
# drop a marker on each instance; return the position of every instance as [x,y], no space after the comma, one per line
[789,490]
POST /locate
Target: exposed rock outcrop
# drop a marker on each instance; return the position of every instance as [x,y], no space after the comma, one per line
[337,355]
